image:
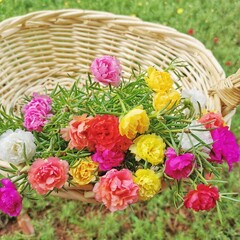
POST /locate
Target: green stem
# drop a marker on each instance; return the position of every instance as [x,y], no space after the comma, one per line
[232,193]
[122,104]
[19,178]
[172,130]
[229,198]
[201,177]
[145,165]
[111,113]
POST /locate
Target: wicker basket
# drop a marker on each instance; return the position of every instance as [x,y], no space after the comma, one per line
[40,49]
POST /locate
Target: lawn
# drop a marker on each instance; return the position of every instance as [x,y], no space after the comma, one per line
[216,24]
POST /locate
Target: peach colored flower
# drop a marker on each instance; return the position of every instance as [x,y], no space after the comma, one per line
[75,133]
[45,175]
[116,190]
[83,171]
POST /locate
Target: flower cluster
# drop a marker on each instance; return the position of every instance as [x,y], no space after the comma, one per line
[123,137]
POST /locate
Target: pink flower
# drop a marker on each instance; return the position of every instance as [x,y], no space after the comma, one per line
[40,103]
[37,112]
[224,147]
[35,120]
[178,166]
[45,175]
[108,159]
[107,70]
[203,198]
[116,190]
[212,120]
[10,199]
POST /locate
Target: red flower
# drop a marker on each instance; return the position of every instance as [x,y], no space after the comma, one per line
[122,144]
[190,31]
[228,63]
[203,198]
[215,39]
[104,133]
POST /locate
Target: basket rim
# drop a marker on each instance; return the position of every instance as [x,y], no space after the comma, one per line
[129,24]
[135,24]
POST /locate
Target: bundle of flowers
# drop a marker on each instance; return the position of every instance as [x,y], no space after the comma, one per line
[128,138]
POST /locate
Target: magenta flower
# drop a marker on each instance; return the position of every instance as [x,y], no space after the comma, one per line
[225,147]
[116,190]
[178,166]
[108,159]
[10,199]
[107,70]
[37,112]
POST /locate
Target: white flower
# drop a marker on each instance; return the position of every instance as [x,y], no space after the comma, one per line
[196,97]
[14,143]
[188,141]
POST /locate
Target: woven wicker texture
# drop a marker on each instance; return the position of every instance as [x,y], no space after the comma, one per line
[41,49]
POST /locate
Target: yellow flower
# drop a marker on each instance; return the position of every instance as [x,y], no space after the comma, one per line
[166,99]
[180,10]
[135,121]
[158,81]
[83,171]
[150,148]
[148,182]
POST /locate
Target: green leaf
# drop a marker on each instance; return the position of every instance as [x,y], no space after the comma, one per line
[219,212]
[13,166]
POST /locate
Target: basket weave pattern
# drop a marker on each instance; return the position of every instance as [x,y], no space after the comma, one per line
[41,49]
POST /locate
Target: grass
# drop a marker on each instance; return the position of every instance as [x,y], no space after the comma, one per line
[55,218]
[216,24]
[208,19]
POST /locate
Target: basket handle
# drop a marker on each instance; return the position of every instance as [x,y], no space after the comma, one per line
[228,91]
